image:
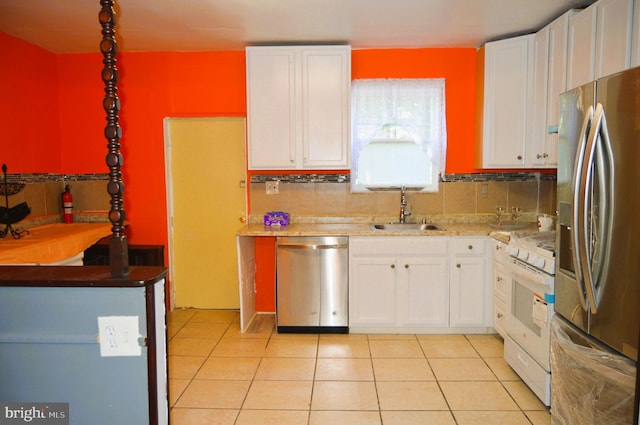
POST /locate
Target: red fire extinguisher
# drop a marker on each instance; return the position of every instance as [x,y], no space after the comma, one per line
[67,205]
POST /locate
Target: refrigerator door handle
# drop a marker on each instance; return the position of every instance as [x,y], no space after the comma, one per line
[575,239]
[593,230]
[601,242]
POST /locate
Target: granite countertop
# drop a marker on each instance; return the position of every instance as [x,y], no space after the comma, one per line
[363,229]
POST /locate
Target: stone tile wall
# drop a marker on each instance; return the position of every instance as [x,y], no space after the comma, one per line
[458,195]
[42,192]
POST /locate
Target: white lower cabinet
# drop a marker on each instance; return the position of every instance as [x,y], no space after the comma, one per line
[501,278]
[471,292]
[422,291]
[372,290]
[405,284]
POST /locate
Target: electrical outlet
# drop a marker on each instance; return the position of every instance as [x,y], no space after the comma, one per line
[273,187]
[484,190]
[119,336]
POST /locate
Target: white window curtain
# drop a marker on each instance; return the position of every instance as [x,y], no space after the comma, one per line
[389,118]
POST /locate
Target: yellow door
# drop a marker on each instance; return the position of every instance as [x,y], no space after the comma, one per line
[207,201]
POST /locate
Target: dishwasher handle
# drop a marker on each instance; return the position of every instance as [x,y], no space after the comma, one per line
[312,246]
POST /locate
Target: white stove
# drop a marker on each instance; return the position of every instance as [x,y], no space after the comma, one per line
[530,306]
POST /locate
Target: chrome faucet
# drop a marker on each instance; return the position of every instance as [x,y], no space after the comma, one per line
[403,205]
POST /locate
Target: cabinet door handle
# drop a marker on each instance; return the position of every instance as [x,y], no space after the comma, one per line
[500,315]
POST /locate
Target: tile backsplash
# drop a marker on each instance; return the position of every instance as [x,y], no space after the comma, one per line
[312,196]
[460,194]
[42,193]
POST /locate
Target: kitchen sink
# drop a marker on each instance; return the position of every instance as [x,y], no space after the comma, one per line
[405,227]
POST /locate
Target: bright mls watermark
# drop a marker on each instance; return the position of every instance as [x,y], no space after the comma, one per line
[34,413]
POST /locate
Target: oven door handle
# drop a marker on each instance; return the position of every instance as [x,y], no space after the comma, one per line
[578,208]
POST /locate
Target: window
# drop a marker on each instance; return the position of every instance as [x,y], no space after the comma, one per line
[398,134]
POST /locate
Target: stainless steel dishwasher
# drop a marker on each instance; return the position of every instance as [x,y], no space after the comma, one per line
[312,292]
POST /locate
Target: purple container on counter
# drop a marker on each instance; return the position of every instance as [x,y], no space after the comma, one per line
[276,218]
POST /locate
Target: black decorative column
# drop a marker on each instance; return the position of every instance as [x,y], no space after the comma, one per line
[118,247]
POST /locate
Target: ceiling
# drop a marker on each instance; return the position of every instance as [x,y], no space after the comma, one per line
[71,26]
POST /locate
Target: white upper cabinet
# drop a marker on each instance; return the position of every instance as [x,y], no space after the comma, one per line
[613,36]
[505,77]
[550,80]
[599,41]
[635,43]
[298,107]
[537,150]
[581,48]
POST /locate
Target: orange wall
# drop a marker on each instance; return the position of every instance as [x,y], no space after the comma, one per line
[30,141]
[152,86]
[57,121]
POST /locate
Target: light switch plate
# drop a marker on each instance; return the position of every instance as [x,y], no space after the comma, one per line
[273,187]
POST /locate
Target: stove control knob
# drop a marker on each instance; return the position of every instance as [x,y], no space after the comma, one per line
[523,255]
[512,250]
[538,262]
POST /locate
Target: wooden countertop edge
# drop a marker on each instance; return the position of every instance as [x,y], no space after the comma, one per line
[78,276]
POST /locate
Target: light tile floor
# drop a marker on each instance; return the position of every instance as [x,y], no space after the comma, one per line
[219,376]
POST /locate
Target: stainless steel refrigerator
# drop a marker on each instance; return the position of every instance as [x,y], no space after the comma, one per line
[594,342]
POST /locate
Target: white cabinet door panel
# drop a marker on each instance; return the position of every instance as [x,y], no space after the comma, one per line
[372,291]
[424,292]
[468,295]
[326,108]
[271,108]
[613,36]
[581,48]
[635,42]
[507,86]
[536,149]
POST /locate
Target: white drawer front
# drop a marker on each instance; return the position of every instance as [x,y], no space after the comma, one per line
[468,246]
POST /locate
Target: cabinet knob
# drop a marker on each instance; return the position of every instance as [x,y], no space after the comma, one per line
[545,155]
[499,278]
[538,156]
[393,266]
[500,315]
[470,247]
[458,265]
[406,266]
[519,157]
